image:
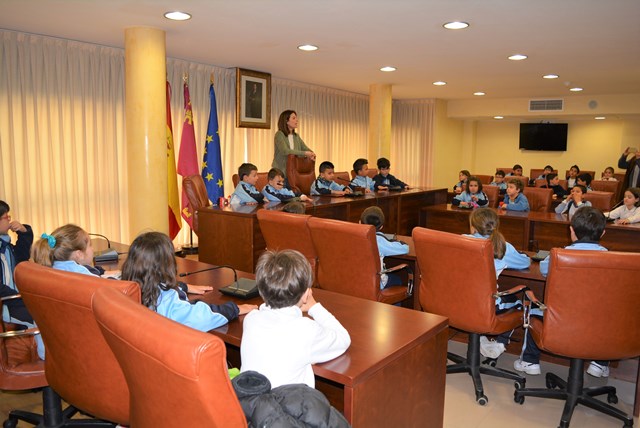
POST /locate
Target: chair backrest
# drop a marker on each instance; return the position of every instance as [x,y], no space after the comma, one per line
[348,256]
[543,182]
[484,179]
[583,171]
[20,367]
[601,200]
[614,187]
[505,170]
[603,323]
[263,179]
[288,231]
[342,178]
[493,193]
[523,179]
[370,173]
[301,172]
[177,375]
[79,364]
[197,196]
[535,173]
[446,289]
[539,199]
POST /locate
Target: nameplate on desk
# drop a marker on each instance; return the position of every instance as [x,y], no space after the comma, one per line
[243,289]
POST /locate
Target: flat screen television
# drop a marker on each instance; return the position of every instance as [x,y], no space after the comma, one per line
[543,136]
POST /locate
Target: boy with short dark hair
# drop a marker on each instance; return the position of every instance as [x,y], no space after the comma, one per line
[324,184]
[278,341]
[384,180]
[498,181]
[275,190]
[362,179]
[553,182]
[246,192]
[514,200]
[587,227]
[584,179]
[547,170]
[516,170]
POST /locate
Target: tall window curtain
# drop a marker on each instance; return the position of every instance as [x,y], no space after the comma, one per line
[411,141]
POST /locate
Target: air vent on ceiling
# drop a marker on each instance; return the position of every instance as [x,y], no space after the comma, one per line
[546,105]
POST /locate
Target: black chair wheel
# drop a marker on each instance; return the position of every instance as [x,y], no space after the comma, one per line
[550,383]
[520,384]
[491,362]
[10,423]
[518,398]
[612,398]
[482,400]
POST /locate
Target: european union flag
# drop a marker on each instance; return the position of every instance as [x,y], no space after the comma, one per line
[212,159]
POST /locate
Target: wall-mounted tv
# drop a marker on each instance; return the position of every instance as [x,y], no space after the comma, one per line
[543,136]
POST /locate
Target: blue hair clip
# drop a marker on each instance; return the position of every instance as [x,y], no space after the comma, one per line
[50,239]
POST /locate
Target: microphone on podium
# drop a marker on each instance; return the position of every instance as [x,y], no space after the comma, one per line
[108,255]
[242,288]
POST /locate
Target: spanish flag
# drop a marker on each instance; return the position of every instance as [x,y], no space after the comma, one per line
[175,222]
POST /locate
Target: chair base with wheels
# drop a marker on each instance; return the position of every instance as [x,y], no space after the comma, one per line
[574,392]
[471,364]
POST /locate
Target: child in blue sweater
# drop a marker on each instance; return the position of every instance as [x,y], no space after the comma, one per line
[498,181]
[275,191]
[473,196]
[324,184]
[246,192]
[362,179]
[384,180]
[514,200]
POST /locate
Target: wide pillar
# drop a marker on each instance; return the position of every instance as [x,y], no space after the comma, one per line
[379,122]
[145,105]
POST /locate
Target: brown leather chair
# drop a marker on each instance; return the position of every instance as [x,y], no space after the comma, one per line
[467,300]
[370,172]
[177,376]
[523,179]
[21,369]
[601,200]
[288,231]
[505,170]
[79,365]
[493,193]
[535,173]
[614,187]
[301,172]
[484,179]
[583,171]
[342,178]
[539,199]
[349,261]
[263,180]
[603,324]
[196,191]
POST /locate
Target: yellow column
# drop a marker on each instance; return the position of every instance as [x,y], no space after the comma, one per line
[379,122]
[146,74]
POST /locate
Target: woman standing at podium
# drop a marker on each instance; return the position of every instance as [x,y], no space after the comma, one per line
[288,142]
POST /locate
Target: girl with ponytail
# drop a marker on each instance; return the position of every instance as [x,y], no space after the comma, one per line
[67,248]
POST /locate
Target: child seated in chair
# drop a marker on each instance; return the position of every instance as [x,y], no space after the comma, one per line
[460,186]
[607,175]
[574,201]
[587,227]
[278,341]
[585,180]
[246,192]
[514,200]
[553,182]
[275,191]
[498,181]
[361,167]
[629,211]
[547,170]
[516,171]
[473,196]
[573,175]
[386,247]
[384,180]
[324,184]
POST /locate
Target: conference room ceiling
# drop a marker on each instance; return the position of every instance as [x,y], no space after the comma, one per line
[592,44]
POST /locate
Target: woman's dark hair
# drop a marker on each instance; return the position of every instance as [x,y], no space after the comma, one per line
[282,122]
[152,264]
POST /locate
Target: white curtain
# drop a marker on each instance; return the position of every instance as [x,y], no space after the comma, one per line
[411,141]
[62,129]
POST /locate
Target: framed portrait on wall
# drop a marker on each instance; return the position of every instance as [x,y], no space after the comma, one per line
[253,99]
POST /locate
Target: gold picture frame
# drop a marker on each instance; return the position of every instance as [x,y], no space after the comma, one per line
[253,99]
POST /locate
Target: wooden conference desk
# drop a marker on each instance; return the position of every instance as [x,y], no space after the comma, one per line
[231,235]
[529,231]
[393,374]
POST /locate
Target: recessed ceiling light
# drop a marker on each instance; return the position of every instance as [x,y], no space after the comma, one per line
[479,94]
[550,76]
[439,83]
[177,16]
[600,118]
[498,117]
[308,48]
[576,89]
[456,25]
[388,68]
[517,57]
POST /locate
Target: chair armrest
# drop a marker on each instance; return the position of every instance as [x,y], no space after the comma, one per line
[534,300]
[409,275]
[531,300]
[15,296]
[395,268]
[514,290]
[18,333]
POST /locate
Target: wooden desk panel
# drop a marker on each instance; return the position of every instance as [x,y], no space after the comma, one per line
[393,374]
[231,235]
